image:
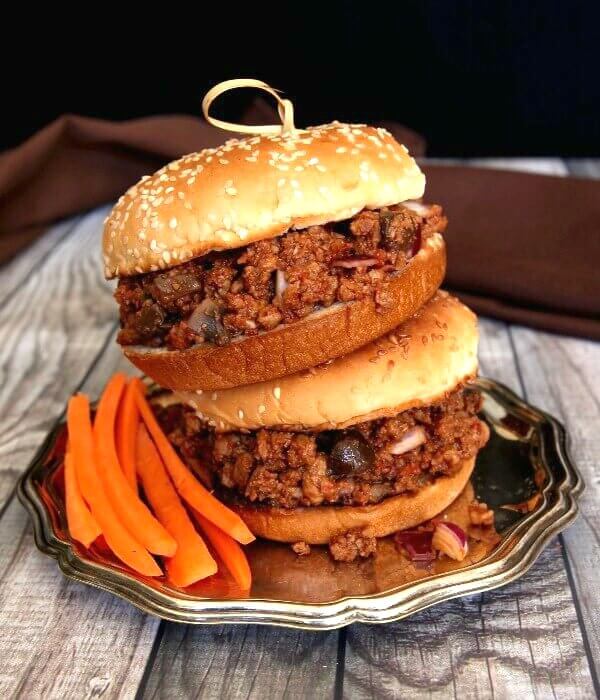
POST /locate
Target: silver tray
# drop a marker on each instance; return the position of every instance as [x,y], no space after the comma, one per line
[527,453]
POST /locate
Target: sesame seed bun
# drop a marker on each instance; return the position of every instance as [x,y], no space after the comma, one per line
[417,364]
[326,334]
[253,189]
[319,524]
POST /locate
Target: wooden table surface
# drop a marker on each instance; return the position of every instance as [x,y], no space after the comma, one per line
[538,637]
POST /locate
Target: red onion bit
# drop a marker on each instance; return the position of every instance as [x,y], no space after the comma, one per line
[411,439]
[350,263]
[451,540]
[418,545]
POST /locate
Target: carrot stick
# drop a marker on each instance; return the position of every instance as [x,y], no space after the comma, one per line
[192,560]
[188,487]
[229,550]
[81,442]
[82,524]
[131,511]
[128,419]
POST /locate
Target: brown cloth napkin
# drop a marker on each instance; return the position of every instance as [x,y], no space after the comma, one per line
[523,248]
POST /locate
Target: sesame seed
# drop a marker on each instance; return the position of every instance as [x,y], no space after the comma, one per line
[231,191]
[277,392]
[166,256]
[214,396]
[173,223]
[262,408]
[223,161]
[341,149]
[240,414]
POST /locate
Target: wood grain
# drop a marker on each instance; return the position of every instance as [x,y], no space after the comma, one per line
[57,638]
[520,640]
[560,375]
[248,661]
[15,272]
[51,331]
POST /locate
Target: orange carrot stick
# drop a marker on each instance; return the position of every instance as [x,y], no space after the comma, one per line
[82,524]
[81,442]
[188,487]
[128,419]
[229,550]
[132,512]
[192,561]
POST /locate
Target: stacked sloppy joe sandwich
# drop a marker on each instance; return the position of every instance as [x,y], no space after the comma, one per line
[283,291]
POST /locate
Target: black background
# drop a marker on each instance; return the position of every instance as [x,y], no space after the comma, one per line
[476,78]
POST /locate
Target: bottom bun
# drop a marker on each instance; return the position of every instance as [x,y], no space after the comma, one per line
[319,524]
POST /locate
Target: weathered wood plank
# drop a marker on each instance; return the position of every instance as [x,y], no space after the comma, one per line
[13,274]
[561,376]
[243,662]
[584,167]
[521,640]
[50,333]
[541,166]
[57,638]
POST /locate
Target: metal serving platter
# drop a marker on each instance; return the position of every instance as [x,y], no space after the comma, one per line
[526,454]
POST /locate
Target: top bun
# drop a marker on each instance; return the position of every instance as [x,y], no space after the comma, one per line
[417,364]
[255,188]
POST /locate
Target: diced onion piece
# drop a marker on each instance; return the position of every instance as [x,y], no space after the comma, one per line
[280,283]
[409,441]
[350,263]
[418,207]
[451,540]
[418,545]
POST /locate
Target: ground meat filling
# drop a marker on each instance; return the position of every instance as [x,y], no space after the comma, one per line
[243,292]
[356,466]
